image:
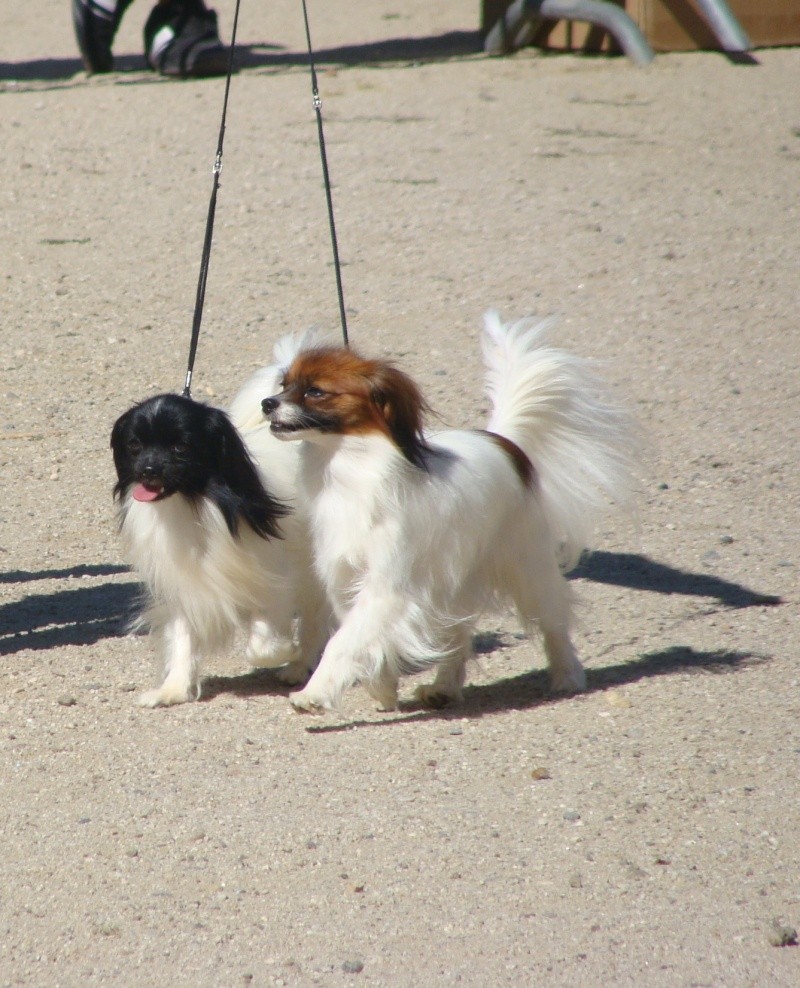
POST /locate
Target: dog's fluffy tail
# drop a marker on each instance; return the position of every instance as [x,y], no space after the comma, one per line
[551,404]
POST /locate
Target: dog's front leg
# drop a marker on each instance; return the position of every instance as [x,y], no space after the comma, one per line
[338,669]
[357,651]
[181,681]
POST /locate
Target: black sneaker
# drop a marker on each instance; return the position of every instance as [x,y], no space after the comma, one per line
[181,39]
[96,23]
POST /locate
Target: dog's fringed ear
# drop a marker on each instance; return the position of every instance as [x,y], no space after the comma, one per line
[241,493]
[119,430]
[121,461]
[402,407]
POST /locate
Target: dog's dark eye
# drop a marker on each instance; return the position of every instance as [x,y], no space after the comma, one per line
[314,392]
[134,446]
[180,448]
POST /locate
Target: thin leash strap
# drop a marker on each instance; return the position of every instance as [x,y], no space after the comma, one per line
[318,108]
[212,206]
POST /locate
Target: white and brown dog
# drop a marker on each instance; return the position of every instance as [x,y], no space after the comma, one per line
[415,535]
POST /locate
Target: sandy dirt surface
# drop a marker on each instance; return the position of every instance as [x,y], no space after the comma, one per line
[644,833]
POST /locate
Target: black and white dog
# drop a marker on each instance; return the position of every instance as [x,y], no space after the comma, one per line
[210,520]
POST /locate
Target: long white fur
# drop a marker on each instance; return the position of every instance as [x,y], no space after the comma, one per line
[411,557]
[245,409]
[207,585]
[552,405]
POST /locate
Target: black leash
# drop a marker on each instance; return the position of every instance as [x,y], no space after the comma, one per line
[212,206]
[318,109]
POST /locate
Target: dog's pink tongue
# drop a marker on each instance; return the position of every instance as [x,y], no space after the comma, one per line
[142,493]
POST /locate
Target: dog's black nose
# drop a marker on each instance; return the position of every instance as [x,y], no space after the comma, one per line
[269,405]
[149,472]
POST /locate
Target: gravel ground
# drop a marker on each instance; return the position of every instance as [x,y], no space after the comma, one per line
[644,833]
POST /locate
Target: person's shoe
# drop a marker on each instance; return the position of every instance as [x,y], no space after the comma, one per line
[181,39]
[96,23]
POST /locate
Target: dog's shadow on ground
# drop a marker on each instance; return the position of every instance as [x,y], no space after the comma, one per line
[93,611]
[257,682]
[80,615]
[625,569]
[531,689]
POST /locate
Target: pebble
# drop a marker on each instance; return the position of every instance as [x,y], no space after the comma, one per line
[572,816]
[782,935]
[352,967]
[540,773]
[67,701]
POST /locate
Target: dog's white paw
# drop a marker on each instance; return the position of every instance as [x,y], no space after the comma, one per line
[436,697]
[305,702]
[571,680]
[384,691]
[169,695]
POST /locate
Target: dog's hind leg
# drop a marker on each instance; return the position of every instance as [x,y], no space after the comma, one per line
[295,650]
[383,689]
[181,681]
[543,596]
[268,649]
[567,675]
[451,673]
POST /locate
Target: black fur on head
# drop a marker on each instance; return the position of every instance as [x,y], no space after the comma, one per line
[170,445]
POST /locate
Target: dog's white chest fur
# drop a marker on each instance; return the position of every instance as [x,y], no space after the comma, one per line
[190,560]
[347,483]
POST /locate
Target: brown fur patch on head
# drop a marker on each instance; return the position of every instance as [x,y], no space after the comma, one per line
[353,395]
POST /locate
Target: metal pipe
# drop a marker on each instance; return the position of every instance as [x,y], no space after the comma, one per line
[515,25]
[727,30]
